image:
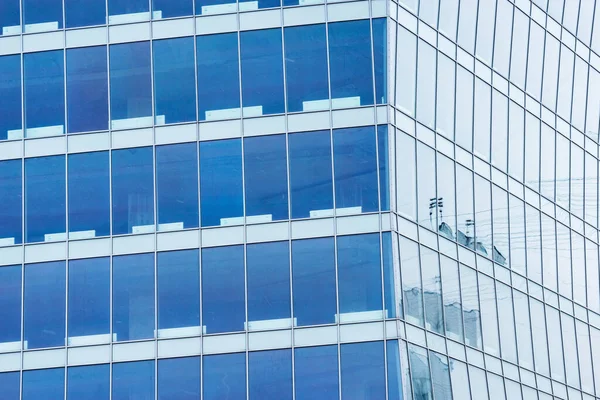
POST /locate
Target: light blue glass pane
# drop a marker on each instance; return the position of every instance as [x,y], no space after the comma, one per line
[266,177]
[37,12]
[384,179]
[120,7]
[316,373]
[306,67]
[10,305]
[363,371]
[130,82]
[179,379]
[313,269]
[85,13]
[218,74]
[44,304]
[394,377]
[11,200]
[388,275]
[359,273]
[171,8]
[88,383]
[380,59]
[350,61]
[10,17]
[177,185]
[270,375]
[223,289]
[311,182]
[89,297]
[224,377]
[133,187]
[268,281]
[174,80]
[132,381]
[221,191]
[10,94]
[133,297]
[355,166]
[47,384]
[262,72]
[10,382]
[44,93]
[89,194]
[87,89]
[178,289]
[45,197]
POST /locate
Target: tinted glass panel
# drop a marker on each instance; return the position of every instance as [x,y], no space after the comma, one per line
[221,190]
[45,199]
[89,198]
[313,268]
[10,382]
[127,10]
[316,373]
[363,370]
[224,377]
[270,375]
[171,8]
[132,381]
[48,384]
[380,59]
[44,305]
[10,307]
[88,383]
[223,289]
[177,186]
[133,297]
[174,79]
[44,93]
[84,13]
[42,15]
[87,89]
[10,94]
[311,184]
[11,200]
[179,379]
[10,18]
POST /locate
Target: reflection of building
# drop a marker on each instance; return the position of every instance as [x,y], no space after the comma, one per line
[469,241]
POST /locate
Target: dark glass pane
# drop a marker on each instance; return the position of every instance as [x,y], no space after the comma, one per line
[270,375]
[10,308]
[179,379]
[133,381]
[10,382]
[316,373]
[88,383]
[11,231]
[363,370]
[171,8]
[42,15]
[10,94]
[224,377]
[47,384]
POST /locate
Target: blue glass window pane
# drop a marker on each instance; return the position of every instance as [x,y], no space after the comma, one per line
[88,383]
[89,194]
[45,198]
[11,200]
[130,84]
[268,281]
[178,289]
[363,370]
[89,299]
[133,297]
[262,72]
[306,68]
[133,187]
[47,384]
[87,89]
[10,18]
[179,379]
[224,377]
[355,166]
[266,177]
[223,289]
[133,381]
[127,10]
[311,183]
[177,186]
[174,80]
[10,95]
[10,305]
[171,8]
[10,382]
[42,15]
[380,59]
[359,273]
[313,269]
[270,375]
[85,13]
[350,63]
[44,93]
[44,304]
[384,178]
[251,4]
[394,376]
[388,276]
[221,191]
[316,373]
[218,74]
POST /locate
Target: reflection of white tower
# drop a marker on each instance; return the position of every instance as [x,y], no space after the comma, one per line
[436,203]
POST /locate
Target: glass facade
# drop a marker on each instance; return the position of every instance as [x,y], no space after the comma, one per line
[266,199]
